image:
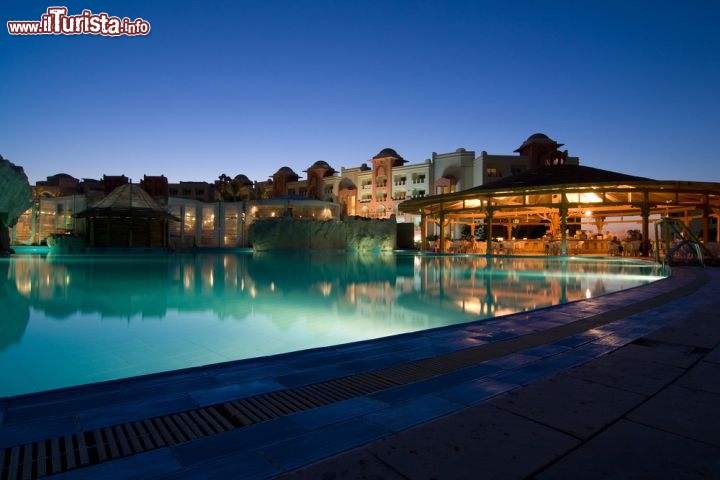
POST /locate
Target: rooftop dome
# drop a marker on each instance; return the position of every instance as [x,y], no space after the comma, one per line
[286,172]
[388,152]
[539,139]
[329,171]
[242,180]
[320,164]
[538,136]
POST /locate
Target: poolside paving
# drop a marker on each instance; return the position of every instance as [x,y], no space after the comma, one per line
[621,386]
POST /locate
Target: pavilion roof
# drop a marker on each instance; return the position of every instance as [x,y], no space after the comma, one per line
[560,175]
[127,200]
[536,190]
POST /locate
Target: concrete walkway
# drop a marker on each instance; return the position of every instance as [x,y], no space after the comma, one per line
[650,409]
[621,386]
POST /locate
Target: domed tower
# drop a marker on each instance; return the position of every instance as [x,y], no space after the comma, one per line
[542,151]
[382,165]
[315,175]
[389,154]
[281,178]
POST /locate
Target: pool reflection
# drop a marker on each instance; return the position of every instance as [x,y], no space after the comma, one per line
[70,320]
[393,287]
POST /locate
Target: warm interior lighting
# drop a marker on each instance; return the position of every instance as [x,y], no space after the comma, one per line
[589,197]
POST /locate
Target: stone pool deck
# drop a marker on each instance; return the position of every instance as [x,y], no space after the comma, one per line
[622,386]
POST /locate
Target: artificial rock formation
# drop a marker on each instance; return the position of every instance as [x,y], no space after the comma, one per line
[15,199]
[351,233]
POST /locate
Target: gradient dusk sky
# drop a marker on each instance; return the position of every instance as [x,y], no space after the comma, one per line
[249,86]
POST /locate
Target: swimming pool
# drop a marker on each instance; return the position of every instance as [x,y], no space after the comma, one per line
[76,319]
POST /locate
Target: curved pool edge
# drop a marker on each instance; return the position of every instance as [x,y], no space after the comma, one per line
[424,363]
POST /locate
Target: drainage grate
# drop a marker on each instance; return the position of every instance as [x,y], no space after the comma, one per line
[61,454]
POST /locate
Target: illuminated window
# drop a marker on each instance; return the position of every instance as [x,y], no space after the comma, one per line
[492,172]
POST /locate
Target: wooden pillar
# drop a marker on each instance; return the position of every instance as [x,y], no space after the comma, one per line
[563,224]
[441,240]
[645,214]
[488,230]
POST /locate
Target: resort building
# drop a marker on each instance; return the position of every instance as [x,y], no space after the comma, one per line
[375,192]
[200,191]
[451,199]
[551,204]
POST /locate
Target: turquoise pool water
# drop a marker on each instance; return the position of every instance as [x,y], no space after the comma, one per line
[72,319]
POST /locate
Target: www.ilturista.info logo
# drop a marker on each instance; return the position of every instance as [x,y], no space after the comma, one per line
[57,22]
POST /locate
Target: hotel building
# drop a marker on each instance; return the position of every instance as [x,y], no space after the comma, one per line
[216,214]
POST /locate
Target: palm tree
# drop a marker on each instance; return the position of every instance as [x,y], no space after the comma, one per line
[233,190]
[221,185]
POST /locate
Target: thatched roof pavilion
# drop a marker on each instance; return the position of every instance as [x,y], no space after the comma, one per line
[553,194]
[127,217]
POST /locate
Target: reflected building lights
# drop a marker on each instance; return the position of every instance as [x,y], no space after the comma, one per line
[450,289]
[325,289]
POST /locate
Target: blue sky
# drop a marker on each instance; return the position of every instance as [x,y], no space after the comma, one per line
[249,86]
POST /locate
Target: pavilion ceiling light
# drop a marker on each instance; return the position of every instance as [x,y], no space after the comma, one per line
[590,197]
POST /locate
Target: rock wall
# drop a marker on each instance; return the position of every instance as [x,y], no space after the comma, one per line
[351,233]
[66,243]
[15,198]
